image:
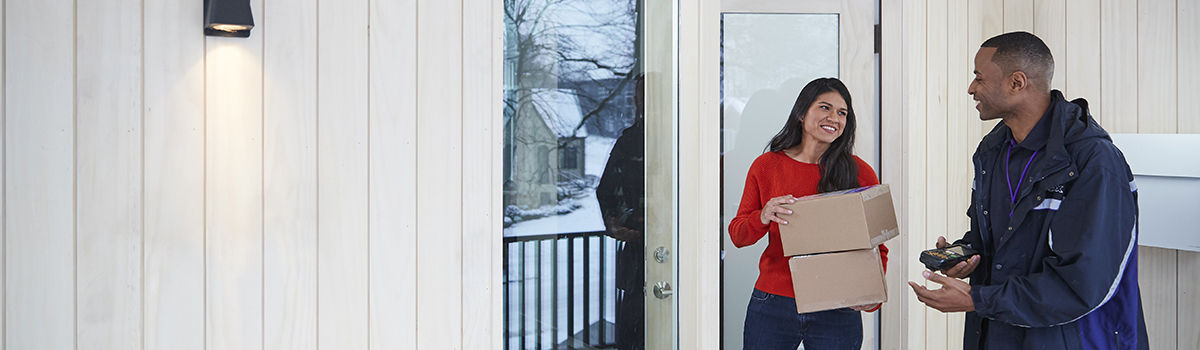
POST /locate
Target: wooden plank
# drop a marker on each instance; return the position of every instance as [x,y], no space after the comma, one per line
[1188,299]
[892,167]
[1050,24]
[174,177]
[393,175]
[108,207]
[482,296]
[992,21]
[975,28]
[289,174]
[1081,61]
[40,175]
[439,174]
[962,130]
[342,133]
[1157,279]
[993,25]
[234,192]
[1188,262]
[1157,80]
[1019,15]
[1118,111]
[913,207]
[936,145]
[1189,74]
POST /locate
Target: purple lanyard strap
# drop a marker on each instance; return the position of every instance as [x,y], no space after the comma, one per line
[1012,192]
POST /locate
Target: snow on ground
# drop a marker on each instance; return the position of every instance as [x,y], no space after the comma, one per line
[597,149]
[587,217]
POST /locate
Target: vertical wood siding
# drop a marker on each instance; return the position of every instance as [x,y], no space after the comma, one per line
[40,169]
[167,190]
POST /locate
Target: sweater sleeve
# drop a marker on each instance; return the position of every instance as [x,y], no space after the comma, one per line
[747,228]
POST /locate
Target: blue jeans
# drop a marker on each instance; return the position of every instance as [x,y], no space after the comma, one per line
[772,323]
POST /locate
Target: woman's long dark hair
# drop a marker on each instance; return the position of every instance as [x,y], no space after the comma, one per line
[838,169]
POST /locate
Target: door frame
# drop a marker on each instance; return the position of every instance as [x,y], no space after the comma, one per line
[858,66]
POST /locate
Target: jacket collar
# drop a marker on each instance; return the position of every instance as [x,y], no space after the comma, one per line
[1067,122]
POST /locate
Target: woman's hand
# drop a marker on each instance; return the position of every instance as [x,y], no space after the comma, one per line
[866,308]
[771,211]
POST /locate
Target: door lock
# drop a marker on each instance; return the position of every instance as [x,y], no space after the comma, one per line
[661,255]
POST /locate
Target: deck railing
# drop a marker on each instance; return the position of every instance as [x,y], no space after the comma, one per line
[559,291]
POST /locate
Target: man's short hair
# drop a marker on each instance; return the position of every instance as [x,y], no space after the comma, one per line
[1022,51]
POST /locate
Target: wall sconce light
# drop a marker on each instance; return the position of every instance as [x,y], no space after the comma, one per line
[229,18]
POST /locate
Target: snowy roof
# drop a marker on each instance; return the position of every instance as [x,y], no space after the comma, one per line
[559,108]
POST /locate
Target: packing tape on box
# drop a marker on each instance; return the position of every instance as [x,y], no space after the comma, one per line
[884,235]
[873,192]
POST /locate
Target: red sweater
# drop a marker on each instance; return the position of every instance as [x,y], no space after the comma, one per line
[774,174]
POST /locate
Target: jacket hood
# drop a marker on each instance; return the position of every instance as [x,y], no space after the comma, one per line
[1076,119]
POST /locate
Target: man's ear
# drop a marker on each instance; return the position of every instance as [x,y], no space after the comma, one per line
[1018,81]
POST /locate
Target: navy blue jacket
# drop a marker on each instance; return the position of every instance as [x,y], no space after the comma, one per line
[1063,275]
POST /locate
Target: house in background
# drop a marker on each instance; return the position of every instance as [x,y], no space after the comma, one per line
[546,146]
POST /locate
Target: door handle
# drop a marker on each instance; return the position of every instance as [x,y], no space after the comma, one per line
[662,290]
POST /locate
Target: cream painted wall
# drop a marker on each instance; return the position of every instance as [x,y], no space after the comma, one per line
[301,188]
[1126,57]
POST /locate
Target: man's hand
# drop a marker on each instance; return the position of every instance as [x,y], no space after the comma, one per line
[962,269]
[954,296]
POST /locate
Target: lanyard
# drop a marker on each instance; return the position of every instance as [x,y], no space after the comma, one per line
[1012,192]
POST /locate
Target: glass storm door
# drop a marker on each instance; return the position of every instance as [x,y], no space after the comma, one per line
[590,179]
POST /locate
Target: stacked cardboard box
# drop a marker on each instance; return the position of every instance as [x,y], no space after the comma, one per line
[833,239]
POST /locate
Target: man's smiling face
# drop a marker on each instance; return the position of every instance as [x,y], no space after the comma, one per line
[988,86]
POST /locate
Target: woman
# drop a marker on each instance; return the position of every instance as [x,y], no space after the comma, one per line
[810,155]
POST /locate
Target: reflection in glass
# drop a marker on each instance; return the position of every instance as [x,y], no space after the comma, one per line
[572,213]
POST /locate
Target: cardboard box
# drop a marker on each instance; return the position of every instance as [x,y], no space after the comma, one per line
[861,218]
[836,280]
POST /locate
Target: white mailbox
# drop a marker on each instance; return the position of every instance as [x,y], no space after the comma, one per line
[1166,168]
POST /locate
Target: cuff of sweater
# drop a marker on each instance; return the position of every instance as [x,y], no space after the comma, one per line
[757,224]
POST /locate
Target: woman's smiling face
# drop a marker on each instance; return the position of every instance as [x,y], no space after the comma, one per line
[825,119]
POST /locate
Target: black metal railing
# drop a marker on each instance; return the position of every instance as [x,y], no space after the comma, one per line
[564,303]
